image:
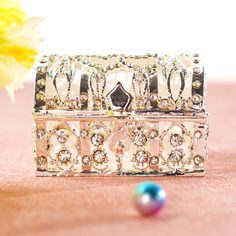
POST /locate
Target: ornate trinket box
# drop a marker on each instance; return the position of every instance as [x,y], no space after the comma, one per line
[120,115]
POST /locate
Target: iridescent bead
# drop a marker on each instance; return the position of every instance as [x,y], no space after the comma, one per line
[149,198]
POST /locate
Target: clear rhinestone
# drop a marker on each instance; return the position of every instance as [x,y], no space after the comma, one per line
[97,139]
[41,83]
[40,97]
[86,160]
[97,103]
[153,97]
[83,97]
[163,60]
[198,160]
[164,104]
[197,84]
[153,134]
[196,60]
[176,140]
[64,156]
[84,133]
[154,160]
[176,155]
[141,156]
[41,160]
[184,104]
[140,103]
[85,61]
[41,134]
[62,135]
[130,65]
[70,104]
[198,135]
[197,71]
[52,103]
[139,78]
[41,70]
[196,98]
[99,156]
[43,60]
[140,139]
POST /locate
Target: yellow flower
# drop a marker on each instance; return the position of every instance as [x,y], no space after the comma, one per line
[11,15]
[18,45]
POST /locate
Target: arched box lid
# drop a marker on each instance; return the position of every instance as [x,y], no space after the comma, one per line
[120,84]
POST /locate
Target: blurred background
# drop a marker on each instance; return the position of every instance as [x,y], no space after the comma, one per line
[141,26]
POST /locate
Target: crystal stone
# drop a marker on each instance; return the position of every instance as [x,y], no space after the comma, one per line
[41,134]
[184,104]
[52,103]
[197,84]
[86,160]
[176,140]
[64,156]
[198,160]
[141,156]
[198,134]
[97,103]
[99,156]
[140,139]
[176,155]
[41,160]
[84,133]
[153,134]
[97,139]
[41,70]
[41,83]
[196,98]
[62,135]
[164,104]
[153,97]
[140,103]
[197,70]
[40,97]
[83,97]
[154,160]
[71,104]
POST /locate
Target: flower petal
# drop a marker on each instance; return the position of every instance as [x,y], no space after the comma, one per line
[11,75]
[11,15]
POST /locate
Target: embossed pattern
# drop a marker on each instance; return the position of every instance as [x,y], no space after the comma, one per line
[120,115]
[121,148]
[151,81]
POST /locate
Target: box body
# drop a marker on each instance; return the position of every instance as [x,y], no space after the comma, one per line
[120,121]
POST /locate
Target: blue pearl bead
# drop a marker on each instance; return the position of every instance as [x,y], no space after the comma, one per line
[149,198]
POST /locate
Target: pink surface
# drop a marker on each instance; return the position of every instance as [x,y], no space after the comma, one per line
[102,206]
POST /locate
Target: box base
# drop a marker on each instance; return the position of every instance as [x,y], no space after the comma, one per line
[145,145]
[43,173]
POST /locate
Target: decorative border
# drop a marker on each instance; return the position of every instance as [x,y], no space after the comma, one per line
[148,99]
[98,137]
[40,85]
